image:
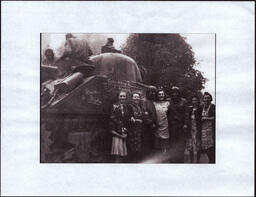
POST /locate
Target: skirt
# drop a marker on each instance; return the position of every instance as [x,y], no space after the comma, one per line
[207,135]
[118,146]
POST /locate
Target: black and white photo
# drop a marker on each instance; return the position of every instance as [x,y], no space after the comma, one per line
[127,98]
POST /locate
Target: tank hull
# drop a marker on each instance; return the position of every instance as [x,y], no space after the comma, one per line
[74,127]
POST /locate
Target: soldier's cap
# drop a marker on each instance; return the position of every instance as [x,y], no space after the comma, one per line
[152,88]
[175,89]
[69,35]
[110,39]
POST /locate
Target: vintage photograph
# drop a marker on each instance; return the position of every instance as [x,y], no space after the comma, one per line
[127,98]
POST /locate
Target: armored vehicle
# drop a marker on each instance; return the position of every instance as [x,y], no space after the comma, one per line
[75,109]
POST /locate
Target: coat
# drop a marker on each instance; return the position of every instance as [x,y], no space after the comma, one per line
[176,111]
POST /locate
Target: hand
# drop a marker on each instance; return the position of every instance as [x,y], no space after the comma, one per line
[185,128]
[123,135]
[138,120]
[153,126]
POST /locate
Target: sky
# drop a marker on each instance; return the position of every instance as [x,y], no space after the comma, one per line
[203,46]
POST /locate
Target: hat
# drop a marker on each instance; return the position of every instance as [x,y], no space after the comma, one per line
[175,88]
[152,87]
[110,39]
[69,35]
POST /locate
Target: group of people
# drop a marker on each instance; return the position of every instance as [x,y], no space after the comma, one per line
[75,53]
[162,128]
[78,50]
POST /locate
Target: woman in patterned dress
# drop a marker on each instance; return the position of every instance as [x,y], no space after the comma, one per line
[194,126]
[135,128]
[208,128]
[161,135]
[118,122]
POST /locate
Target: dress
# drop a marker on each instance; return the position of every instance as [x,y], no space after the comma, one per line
[162,133]
[118,121]
[208,128]
[161,112]
[194,125]
[135,128]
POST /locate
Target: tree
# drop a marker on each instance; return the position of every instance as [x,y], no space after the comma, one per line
[167,60]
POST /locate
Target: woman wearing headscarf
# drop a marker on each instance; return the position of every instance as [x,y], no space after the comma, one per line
[194,126]
[208,128]
[118,121]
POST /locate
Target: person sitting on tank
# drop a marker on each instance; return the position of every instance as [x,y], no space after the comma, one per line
[109,47]
[49,70]
[49,58]
[76,54]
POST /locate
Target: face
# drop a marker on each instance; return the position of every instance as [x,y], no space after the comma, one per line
[207,99]
[195,101]
[151,94]
[160,95]
[175,94]
[122,97]
[136,98]
[49,54]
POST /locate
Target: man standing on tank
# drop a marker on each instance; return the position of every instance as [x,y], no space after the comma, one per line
[76,53]
[176,119]
[77,49]
[109,47]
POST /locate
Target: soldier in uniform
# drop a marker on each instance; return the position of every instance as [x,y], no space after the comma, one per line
[150,121]
[109,47]
[76,53]
[176,119]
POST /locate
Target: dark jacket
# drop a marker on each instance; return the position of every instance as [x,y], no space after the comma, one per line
[109,49]
[176,111]
[149,116]
[118,120]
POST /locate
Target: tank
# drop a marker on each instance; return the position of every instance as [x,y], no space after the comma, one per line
[75,109]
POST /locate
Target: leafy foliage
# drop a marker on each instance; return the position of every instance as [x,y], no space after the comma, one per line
[165,60]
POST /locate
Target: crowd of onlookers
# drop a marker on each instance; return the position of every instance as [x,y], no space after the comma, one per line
[162,128]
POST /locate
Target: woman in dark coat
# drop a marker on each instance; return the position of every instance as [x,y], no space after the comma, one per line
[135,128]
[118,122]
[194,126]
[208,128]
